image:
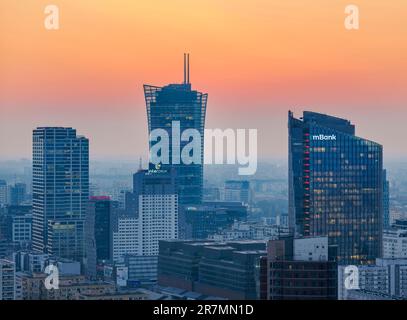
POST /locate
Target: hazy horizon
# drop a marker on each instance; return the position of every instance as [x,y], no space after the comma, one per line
[256,61]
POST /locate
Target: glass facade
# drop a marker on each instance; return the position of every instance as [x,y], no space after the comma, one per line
[336,186]
[178,102]
[60,190]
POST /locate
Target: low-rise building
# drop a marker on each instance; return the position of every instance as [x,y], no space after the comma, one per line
[221,269]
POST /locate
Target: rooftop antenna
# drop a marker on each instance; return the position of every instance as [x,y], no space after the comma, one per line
[186,68]
[140,166]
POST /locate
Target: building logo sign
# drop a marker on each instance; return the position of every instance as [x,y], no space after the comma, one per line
[323,137]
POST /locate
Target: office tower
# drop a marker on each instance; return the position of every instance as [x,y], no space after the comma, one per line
[136,236]
[97,232]
[7,280]
[336,186]
[216,269]
[3,193]
[199,222]
[179,103]
[60,191]
[17,194]
[153,182]
[236,190]
[386,201]
[298,269]
[157,208]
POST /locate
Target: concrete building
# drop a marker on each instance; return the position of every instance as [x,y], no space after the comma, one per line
[395,243]
[125,237]
[71,287]
[7,280]
[138,233]
[386,277]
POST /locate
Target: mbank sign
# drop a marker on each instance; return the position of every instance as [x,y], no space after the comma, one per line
[324,137]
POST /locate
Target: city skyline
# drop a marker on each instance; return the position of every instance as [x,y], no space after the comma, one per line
[264,171]
[253,60]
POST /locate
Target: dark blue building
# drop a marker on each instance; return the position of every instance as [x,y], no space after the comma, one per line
[179,103]
[386,201]
[198,222]
[99,217]
[336,186]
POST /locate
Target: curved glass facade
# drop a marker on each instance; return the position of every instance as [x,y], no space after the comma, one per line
[336,186]
[177,102]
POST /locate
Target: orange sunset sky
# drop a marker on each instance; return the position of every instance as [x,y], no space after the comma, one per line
[255,58]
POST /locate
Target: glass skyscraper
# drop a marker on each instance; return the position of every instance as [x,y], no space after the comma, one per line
[336,186]
[178,102]
[60,191]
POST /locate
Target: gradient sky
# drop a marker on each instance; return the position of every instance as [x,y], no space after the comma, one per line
[255,58]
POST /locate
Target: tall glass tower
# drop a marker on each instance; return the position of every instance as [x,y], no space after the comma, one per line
[60,191]
[178,102]
[336,186]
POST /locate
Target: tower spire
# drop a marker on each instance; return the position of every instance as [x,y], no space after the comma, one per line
[186,68]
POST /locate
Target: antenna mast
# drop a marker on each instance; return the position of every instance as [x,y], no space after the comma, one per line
[186,68]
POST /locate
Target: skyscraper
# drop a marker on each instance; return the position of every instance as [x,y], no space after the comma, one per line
[336,186]
[135,235]
[386,201]
[157,208]
[98,221]
[60,191]
[172,103]
[3,193]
